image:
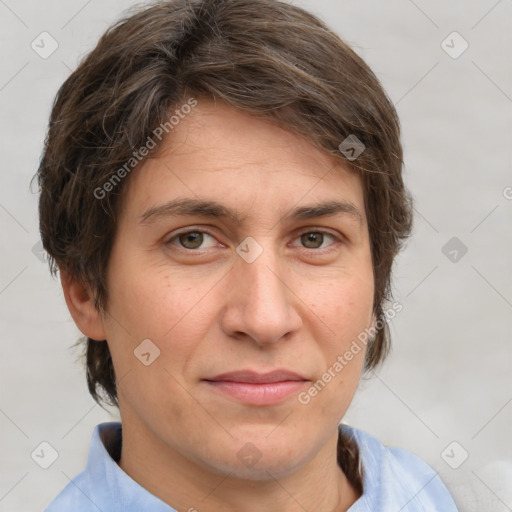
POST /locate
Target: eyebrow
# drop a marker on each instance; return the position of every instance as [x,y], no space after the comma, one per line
[213,209]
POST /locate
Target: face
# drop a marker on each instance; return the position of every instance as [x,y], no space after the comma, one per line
[255,281]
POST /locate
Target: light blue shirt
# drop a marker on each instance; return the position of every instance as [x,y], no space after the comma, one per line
[394,480]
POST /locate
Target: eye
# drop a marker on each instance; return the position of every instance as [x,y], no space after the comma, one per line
[195,240]
[191,240]
[315,239]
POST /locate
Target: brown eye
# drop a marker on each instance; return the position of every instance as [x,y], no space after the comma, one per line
[312,240]
[191,240]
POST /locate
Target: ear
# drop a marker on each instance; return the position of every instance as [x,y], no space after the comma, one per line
[80,303]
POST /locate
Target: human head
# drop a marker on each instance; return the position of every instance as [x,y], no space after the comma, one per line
[266,58]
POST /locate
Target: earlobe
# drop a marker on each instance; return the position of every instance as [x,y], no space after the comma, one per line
[80,303]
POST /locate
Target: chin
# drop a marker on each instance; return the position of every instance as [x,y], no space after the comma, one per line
[258,466]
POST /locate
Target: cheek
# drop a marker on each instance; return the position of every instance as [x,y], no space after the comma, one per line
[345,307]
[174,314]
[166,307]
[345,310]
[347,313]
[150,299]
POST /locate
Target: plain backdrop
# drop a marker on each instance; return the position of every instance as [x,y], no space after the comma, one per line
[445,393]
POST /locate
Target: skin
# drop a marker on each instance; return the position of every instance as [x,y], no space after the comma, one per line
[211,312]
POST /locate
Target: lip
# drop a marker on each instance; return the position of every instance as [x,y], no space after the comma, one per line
[253,377]
[258,388]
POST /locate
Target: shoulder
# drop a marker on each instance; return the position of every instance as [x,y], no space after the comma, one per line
[396,477]
[88,491]
[103,485]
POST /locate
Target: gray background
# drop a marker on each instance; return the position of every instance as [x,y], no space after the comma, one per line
[448,378]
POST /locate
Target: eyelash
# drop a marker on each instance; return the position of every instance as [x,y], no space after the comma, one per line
[337,239]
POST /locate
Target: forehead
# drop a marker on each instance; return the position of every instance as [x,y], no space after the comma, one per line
[219,153]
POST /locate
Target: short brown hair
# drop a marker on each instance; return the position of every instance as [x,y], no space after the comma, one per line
[265,57]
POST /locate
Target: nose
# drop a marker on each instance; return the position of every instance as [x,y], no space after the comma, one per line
[261,301]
